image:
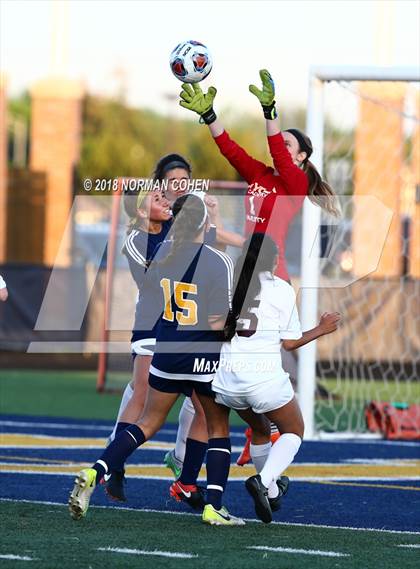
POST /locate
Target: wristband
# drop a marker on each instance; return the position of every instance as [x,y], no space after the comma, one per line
[269,111]
[208,117]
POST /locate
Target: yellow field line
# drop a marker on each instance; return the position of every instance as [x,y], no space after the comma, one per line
[22,441]
[33,459]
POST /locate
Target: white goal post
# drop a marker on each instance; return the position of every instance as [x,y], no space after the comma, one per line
[311,254]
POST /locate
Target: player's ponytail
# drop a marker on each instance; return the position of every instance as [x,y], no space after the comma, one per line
[190,216]
[320,192]
[259,253]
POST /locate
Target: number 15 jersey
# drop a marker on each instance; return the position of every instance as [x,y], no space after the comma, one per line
[195,284]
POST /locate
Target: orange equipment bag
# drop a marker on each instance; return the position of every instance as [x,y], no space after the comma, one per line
[396,421]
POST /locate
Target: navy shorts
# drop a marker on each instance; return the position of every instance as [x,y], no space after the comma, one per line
[184,386]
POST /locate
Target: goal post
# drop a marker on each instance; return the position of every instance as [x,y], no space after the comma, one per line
[324,283]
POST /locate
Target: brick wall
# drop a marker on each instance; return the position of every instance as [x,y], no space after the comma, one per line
[55,146]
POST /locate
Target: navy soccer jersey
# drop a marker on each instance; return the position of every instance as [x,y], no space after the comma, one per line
[195,284]
[140,249]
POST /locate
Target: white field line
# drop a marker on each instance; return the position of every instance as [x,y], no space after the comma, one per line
[152,511]
[410,545]
[363,438]
[300,551]
[145,552]
[17,557]
[295,478]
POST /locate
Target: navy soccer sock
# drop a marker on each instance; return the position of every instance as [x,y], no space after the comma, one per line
[115,455]
[121,427]
[218,464]
[195,452]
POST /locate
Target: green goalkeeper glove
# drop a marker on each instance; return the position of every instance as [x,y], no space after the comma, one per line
[266,96]
[195,100]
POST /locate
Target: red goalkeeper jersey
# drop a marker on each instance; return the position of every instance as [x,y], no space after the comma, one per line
[272,200]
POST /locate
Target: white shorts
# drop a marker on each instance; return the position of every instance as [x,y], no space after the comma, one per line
[268,397]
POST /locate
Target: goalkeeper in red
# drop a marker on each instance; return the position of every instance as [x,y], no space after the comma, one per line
[275,193]
[292,178]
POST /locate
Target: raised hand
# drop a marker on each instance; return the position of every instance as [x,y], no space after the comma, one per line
[329,322]
[193,99]
[267,94]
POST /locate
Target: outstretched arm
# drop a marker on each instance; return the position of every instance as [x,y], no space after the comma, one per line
[193,99]
[327,324]
[292,178]
[226,237]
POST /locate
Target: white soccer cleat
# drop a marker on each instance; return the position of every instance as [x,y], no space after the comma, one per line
[84,485]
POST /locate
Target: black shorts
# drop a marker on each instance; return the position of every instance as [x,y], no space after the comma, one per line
[184,386]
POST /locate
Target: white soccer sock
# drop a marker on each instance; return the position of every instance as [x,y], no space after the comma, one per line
[281,455]
[127,395]
[259,455]
[186,416]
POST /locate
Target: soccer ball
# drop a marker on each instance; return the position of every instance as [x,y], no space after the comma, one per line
[190,61]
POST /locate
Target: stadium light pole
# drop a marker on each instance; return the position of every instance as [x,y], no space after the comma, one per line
[310,261]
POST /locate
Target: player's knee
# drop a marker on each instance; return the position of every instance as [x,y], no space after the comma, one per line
[299,430]
[217,430]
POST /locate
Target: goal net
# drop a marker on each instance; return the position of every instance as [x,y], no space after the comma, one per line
[369,264]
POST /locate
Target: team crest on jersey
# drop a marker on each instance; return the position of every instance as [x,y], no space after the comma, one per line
[256,190]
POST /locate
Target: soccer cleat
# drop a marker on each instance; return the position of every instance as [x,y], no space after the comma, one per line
[190,493]
[172,462]
[259,493]
[114,485]
[274,437]
[283,485]
[84,485]
[220,517]
[245,455]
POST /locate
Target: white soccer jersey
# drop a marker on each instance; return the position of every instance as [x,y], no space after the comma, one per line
[252,358]
[2,282]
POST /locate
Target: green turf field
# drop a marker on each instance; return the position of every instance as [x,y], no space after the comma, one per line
[47,534]
[73,394]
[365,390]
[62,394]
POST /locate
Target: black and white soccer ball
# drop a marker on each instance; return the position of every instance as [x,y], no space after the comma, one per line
[190,61]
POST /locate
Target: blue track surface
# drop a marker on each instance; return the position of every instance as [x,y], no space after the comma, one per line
[377,505]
